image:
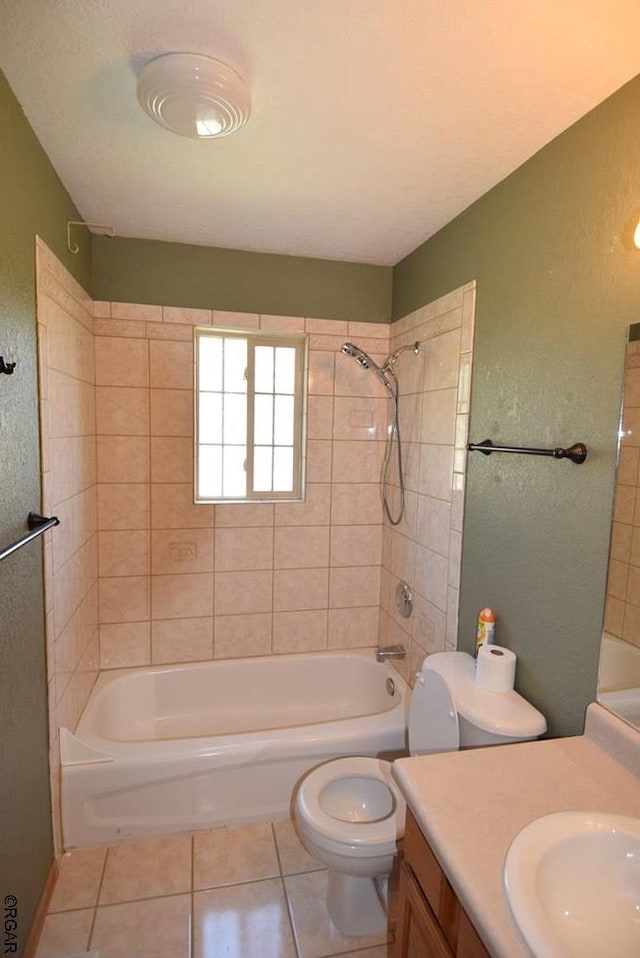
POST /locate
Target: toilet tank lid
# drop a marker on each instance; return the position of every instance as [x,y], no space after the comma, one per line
[501,713]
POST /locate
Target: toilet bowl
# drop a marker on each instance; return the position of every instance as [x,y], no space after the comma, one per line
[349,813]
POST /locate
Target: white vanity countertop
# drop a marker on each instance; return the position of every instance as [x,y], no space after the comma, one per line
[471,805]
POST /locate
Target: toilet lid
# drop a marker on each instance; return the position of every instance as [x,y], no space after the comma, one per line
[433,717]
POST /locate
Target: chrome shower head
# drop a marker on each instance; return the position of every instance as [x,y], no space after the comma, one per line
[349,349]
[364,360]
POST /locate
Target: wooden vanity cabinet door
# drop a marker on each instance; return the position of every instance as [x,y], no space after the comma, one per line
[418,933]
[425,866]
[431,921]
[469,942]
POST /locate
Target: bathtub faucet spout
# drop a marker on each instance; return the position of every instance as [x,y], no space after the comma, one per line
[391,652]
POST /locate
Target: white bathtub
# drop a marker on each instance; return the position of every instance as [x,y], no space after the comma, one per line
[177,748]
[619,678]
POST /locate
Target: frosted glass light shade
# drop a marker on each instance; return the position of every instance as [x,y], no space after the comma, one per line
[194,95]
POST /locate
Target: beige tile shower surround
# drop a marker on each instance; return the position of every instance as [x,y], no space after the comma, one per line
[136,574]
[68,455]
[622,609]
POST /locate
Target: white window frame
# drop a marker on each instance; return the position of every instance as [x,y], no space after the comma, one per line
[297,341]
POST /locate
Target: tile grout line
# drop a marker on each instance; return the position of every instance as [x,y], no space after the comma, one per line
[273,504]
[277,850]
[192,898]
[97,904]
[283,883]
[147,353]
[214,542]
[273,579]
[139,901]
[327,640]
[294,936]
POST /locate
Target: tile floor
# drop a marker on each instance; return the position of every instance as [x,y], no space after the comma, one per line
[244,892]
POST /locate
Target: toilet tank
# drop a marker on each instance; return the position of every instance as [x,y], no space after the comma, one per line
[473,736]
[484,718]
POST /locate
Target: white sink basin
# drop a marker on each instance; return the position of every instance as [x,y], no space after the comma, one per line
[573,884]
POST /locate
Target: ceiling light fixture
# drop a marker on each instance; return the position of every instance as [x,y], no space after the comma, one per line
[194,95]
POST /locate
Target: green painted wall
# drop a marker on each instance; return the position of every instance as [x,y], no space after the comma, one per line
[177,274]
[33,201]
[558,285]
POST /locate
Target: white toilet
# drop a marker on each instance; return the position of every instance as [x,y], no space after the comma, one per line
[350,814]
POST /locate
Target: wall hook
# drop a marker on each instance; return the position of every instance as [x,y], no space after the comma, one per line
[73,247]
[6,367]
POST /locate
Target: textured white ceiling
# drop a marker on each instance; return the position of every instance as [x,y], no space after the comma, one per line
[374,121]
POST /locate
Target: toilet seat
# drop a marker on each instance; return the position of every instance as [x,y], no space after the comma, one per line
[359,836]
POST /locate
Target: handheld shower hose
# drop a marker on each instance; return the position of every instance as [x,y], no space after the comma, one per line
[386,373]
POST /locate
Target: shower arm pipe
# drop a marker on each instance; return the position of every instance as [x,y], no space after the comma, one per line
[37,524]
[576,453]
[392,358]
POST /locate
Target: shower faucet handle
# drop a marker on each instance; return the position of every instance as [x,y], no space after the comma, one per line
[391,652]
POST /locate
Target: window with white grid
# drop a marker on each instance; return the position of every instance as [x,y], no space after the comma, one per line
[250,415]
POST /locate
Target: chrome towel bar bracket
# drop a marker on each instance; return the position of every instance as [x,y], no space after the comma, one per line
[36,524]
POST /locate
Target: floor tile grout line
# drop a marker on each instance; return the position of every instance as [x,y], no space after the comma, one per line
[140,901]
[99,892]
[233,884]
[275,842]
[294,936]
[284,892]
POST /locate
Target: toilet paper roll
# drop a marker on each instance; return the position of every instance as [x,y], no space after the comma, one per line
[495,668]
